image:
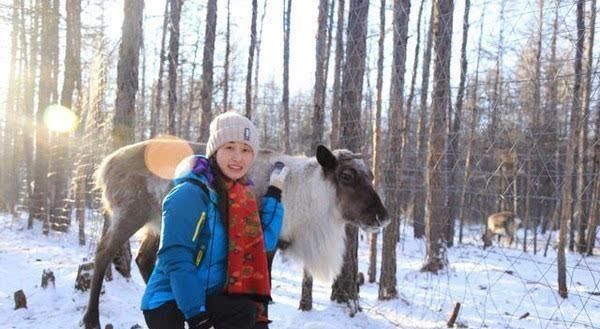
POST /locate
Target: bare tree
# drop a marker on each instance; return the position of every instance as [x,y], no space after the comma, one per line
[454,136]
[251,60]
[345,288]
[394,165]
[337,73]
[207,68]
[127,86]
[473,105]
[287,11]
[60,165]
[566,195]
[319,87]
[155,112]
[582,180]
[436,258]
[419,198]
[377,153]
[29,129]
[173,59]
[47,93]
[9,138]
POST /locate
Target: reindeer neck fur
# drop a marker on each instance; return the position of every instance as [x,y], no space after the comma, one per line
[317,232]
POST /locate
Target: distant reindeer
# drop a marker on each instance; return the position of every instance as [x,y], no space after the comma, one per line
[501,224]
[322,195]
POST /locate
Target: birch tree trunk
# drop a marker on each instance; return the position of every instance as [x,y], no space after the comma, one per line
[319,87]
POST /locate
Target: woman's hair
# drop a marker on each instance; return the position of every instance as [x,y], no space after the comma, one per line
[220,188]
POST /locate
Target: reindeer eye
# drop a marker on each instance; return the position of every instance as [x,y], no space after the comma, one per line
[347,177]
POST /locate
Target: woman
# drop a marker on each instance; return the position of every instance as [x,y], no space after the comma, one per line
[212,265]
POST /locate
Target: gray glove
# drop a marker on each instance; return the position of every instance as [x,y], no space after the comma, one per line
[278,175]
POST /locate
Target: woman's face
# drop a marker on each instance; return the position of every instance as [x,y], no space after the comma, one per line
[234,159]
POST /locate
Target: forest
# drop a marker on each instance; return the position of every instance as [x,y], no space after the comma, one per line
[461,109]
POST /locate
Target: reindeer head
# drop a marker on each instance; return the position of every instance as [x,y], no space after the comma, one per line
[359,203]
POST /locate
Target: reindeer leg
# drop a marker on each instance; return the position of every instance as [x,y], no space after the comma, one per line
[125,223]
[146,257]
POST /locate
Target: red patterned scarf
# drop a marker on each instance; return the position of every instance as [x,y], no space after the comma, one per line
[247,269]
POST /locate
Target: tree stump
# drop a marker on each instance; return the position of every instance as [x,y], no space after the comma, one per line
[84,276]
[48,277]
[20,299]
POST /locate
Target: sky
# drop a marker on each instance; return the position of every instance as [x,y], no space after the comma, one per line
[499,287]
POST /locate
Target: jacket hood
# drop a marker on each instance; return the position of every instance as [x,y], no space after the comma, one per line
[195,167]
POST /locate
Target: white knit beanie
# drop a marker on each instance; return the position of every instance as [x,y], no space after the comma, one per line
[231,127]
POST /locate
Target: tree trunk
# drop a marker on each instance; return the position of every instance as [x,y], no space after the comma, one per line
[8,144]
[258,49]
[226,64]
[29,131]
[173,58]
[287,11]
[394,165]
[251,60]
[453,152]
[567,188]
[497,94]
[345,288]
[377,150]
[419,199]
[592,218]
[155,113]
[582,180]
[127,86]
[207,69]
[47,92]
[72,80]
[436,258]
[319,87]
[339,57]
[474,103]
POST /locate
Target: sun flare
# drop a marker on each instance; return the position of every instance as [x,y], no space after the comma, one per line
[60,119]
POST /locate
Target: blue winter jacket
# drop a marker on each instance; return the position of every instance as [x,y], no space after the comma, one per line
[192,256]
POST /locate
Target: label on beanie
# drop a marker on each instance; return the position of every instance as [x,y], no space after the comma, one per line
[247,134]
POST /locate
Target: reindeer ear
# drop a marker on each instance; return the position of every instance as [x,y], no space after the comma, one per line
[326,159]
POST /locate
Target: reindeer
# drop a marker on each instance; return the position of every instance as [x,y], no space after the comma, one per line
[322,195]
[501,224]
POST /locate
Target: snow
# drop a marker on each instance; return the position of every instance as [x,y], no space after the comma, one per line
[496,287]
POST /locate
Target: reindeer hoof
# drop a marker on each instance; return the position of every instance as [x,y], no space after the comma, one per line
[90,321]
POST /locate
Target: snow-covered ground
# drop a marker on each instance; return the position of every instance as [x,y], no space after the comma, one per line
[497,288]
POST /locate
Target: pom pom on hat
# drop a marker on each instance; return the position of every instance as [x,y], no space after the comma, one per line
[231,127]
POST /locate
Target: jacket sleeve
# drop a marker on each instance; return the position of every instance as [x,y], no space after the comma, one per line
[271,215]
[184,213]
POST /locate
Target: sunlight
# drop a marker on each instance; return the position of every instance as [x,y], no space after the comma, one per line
[162,158]
[60,119]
